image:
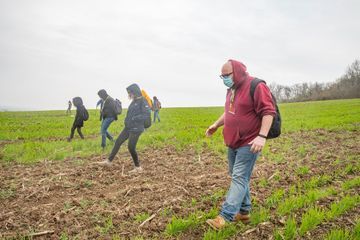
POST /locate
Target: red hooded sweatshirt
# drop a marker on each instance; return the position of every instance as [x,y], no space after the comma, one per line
[243,116]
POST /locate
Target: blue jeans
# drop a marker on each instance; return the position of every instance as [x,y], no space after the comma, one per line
[156,115]
[241,164]
[105,124]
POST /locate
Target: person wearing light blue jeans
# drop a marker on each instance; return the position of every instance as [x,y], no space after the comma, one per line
[156,108]
[107,116]
[246,123]
[241,163]
[105,124]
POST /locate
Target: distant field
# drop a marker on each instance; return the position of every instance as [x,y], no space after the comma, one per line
[34,136]
[305,186]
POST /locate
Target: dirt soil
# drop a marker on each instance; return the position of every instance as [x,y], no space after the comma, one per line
[79,196]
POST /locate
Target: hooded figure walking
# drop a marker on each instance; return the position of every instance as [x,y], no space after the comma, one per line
[136,115]
[81,116]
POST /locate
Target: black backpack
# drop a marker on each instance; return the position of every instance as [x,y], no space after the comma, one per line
[85,114]
[147,122]
[117,107]
[275,129]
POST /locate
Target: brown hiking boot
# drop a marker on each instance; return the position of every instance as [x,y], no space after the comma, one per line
[244,218]
[217,223]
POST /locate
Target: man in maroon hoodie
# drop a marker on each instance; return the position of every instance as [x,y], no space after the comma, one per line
[246,125]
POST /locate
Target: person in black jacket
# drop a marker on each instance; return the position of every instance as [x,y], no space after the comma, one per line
[107,116]
[79,118]
[137,112]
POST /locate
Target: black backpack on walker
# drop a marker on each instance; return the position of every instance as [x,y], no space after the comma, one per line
[275,129]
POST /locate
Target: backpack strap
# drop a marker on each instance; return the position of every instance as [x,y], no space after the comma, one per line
[104,103]
[253,86]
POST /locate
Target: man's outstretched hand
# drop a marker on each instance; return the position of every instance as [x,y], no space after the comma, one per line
[210,131]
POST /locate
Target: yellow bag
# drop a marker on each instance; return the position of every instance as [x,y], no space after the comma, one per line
[146,96]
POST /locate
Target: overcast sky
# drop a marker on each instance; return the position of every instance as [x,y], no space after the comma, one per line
[51,51]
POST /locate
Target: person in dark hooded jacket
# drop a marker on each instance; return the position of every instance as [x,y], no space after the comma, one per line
[107,116]
[81,113]
[136,115]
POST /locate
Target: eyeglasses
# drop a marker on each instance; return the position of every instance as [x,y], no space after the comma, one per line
[222,76]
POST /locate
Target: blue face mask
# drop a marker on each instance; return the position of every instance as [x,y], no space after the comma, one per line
[228,81]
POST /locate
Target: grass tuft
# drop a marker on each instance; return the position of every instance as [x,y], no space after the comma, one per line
[178,225]
[353,183]
[345,204]
[338,234]
[310,220]
[225,233]
[290,229]
[139,218]
[260,215]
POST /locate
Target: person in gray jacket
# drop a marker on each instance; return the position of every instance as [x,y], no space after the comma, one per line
[107,116]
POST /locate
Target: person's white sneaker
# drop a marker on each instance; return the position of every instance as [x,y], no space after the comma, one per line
[136,170]
[106,162]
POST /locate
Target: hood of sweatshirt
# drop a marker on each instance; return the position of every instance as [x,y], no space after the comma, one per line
[134,89]
[240,75]
[77,102]
[103,94]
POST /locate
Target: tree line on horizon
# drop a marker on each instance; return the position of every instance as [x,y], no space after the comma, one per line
[345,87]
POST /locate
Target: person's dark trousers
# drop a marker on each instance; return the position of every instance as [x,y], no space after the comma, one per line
[133,139]
[78,130]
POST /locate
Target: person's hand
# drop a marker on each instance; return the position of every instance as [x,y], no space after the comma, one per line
[210,131]
[257,144]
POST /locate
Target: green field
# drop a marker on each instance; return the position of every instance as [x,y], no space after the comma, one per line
[34,136]
[306,184]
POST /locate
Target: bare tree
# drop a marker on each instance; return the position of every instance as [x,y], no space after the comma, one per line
[347,86]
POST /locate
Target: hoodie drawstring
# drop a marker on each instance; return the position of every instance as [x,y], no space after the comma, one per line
[232,98]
